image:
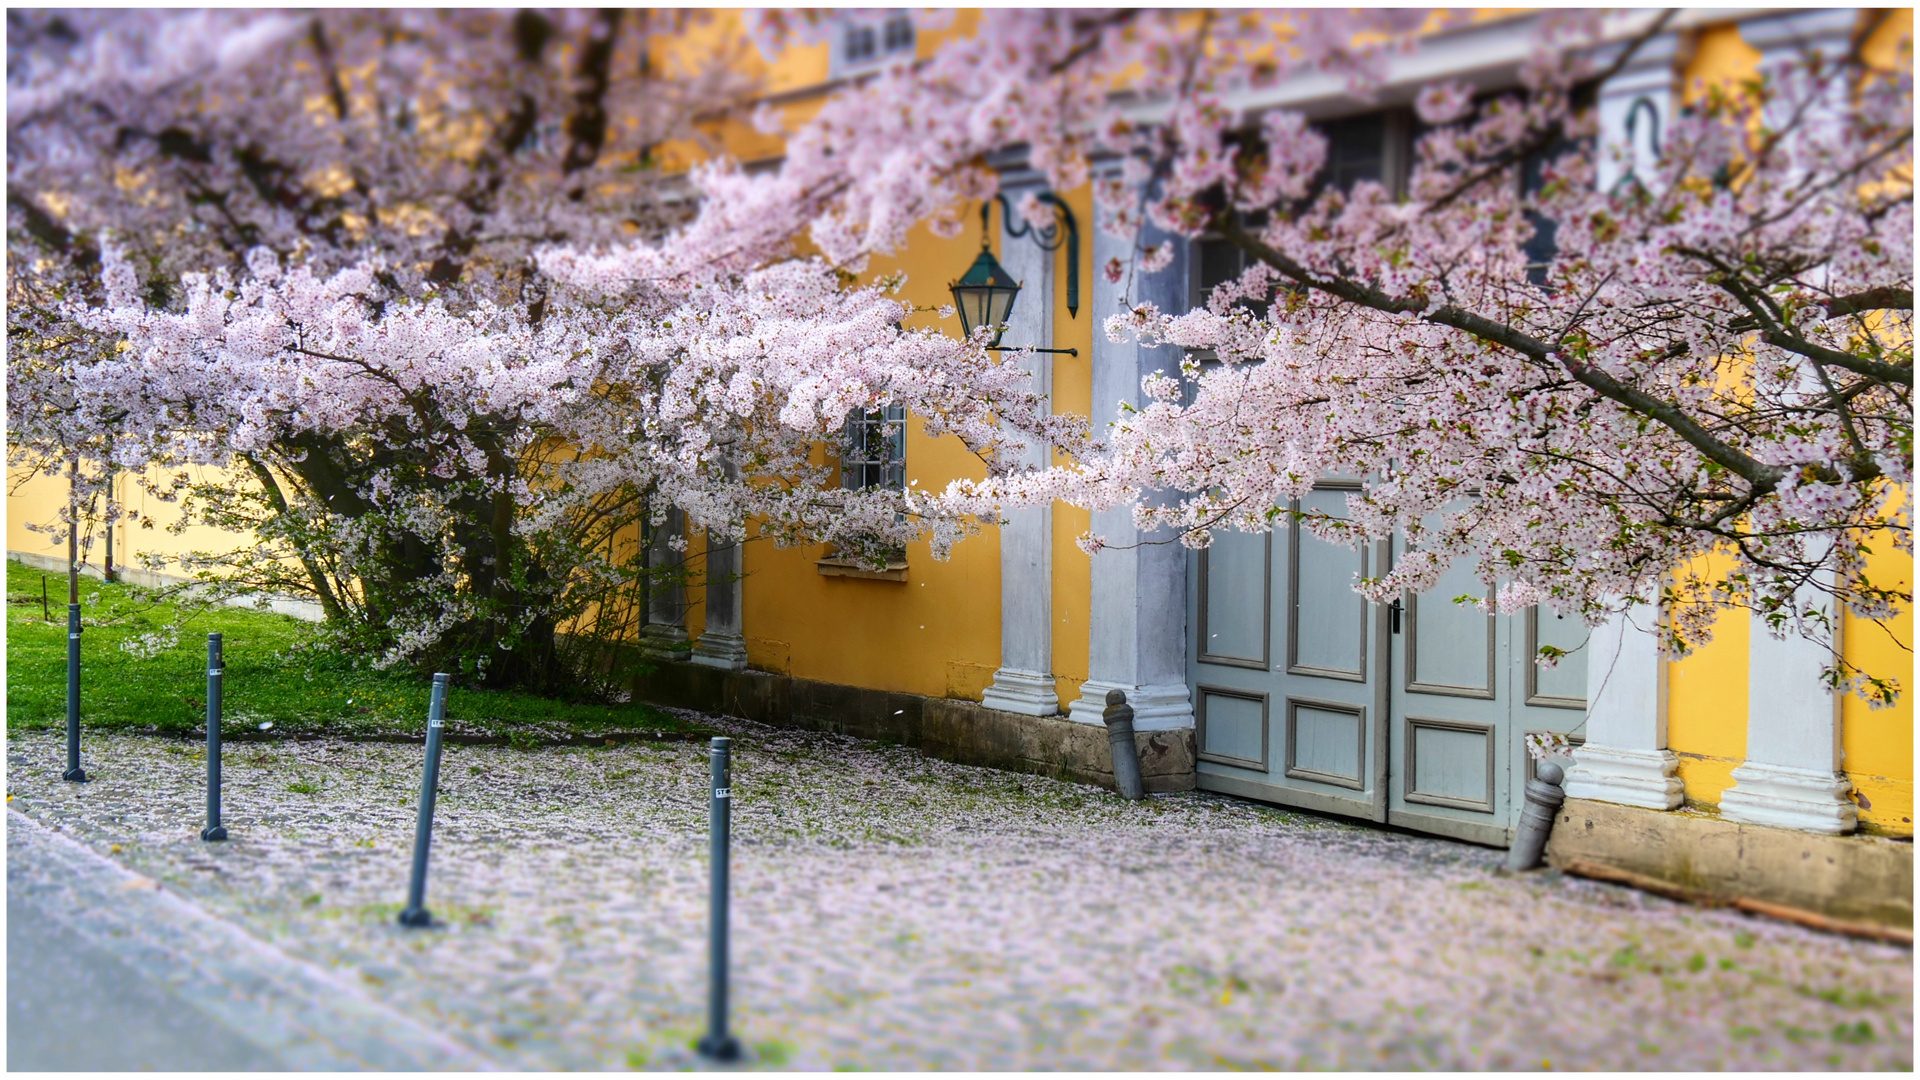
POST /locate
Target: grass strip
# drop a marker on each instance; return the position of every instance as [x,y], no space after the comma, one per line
[282,679]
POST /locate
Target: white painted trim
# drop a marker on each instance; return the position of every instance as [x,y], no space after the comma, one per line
[1156,707]
[1630,777]
[1136,633]
[1024,683]
[1029,693]
[1486,55]
[1811,800]
[1625,758]
[1791,777]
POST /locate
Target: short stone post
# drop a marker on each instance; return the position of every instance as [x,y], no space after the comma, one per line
[1544,797]
[1126,757]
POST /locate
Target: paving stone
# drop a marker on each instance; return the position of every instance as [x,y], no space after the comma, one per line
[897,912]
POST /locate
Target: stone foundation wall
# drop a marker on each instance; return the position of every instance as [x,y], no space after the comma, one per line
[1866,879]
[958,731]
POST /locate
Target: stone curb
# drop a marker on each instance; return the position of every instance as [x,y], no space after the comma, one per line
[290,1008]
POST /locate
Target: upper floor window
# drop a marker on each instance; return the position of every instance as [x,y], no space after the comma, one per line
[1373,146]
[873,451]
[866,43]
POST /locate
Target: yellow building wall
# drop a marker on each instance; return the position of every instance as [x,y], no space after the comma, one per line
[38,500]
[938,632]
[1707,704]
[1877,744]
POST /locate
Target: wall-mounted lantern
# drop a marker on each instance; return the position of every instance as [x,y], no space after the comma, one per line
[984,295]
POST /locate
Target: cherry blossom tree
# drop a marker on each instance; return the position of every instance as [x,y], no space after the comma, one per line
[420,278]
[1713,359]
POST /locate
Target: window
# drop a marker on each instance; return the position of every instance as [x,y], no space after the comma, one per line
[860,45]
[873,452]
[1374,146]
[1545,242]
[867,43]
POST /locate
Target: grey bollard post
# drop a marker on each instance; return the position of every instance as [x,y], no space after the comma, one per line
[716,1043]
[1126,756]
[1544,797]
[74,772]
[216,673]
[416,911]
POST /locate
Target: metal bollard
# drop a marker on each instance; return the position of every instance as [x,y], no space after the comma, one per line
[1544,797]
[416,911]
[74,772]
[1126,756]
[716,1043]
[216,674]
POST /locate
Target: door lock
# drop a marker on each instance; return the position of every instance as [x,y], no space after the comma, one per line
[1393,615]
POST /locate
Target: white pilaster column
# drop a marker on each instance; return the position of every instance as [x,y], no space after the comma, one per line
[1625,759]
[1791,777]
[665,635]
[1137,628]
[1636,107]
[1024,683]
[721,644]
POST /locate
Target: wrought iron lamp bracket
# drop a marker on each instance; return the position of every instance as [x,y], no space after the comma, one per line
[1050,238]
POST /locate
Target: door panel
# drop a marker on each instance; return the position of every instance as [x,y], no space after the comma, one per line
[1563,686]
[1231,728]
[1236,604]
[1450,763]
[1326,619]
[1450,647]
[1447,751]
[1327,742]
[1305,696]
[1287,698]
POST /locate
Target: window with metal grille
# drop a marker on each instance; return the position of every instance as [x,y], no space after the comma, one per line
[897,34]
[866,43]
[860,44]
[873,451]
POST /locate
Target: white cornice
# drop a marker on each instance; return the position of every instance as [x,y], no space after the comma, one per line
[1487,56]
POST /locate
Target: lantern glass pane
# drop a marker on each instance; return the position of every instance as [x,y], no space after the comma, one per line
[1002,305]
[969,303]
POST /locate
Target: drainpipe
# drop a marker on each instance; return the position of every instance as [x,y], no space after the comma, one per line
[1126,757]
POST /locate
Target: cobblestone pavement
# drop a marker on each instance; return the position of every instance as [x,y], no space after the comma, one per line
[897,912]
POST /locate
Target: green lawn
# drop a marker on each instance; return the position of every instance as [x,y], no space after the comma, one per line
[274,675]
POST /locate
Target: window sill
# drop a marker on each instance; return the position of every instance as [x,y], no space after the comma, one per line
[895,571]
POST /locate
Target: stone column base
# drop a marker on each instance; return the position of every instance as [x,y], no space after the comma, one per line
[1156,707]
[1631,777]
[1790,798]
[661,642]
[719,650]
[1029,693]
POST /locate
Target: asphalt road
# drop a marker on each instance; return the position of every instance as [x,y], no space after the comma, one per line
[110,970]
[72,1006]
